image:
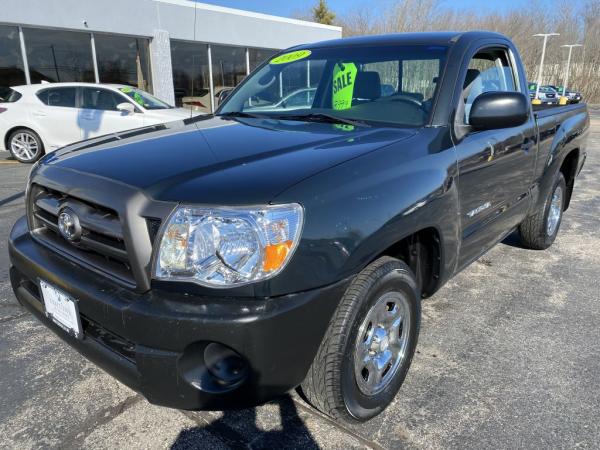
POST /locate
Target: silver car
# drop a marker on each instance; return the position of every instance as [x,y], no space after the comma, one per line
[548,95]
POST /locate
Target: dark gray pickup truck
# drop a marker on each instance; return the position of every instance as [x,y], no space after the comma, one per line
[287,240]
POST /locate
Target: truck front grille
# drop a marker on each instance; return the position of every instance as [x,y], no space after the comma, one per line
[101,245]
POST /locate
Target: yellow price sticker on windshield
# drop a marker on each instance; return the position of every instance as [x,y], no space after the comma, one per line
[343,127]
[344,76]
[290,57]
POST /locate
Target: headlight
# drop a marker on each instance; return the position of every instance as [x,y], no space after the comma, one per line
[225,247]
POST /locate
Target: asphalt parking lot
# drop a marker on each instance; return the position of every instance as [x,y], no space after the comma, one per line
[508,357]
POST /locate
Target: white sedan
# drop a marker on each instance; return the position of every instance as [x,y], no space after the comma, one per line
[40,118]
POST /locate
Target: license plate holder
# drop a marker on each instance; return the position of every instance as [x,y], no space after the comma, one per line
[61,308]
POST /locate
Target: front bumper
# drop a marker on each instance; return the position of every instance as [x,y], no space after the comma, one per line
[155,342]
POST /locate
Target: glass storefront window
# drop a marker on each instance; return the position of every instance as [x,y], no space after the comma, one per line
[59,55]
[11,60]
[191,77]
[258,55]
[228,65]
[123,60]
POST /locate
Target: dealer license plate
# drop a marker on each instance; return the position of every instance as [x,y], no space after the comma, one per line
[61,309]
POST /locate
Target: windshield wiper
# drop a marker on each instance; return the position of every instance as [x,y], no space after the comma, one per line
[322,117]
[241,114]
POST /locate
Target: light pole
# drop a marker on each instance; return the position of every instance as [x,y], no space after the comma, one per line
[570,46]
[539,78]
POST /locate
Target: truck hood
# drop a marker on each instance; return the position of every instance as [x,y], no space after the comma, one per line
[212,160]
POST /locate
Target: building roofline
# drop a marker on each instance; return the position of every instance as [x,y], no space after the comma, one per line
[244,13]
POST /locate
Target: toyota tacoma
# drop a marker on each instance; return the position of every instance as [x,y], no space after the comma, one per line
[220,261]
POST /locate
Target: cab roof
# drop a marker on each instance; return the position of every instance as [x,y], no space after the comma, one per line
[427,38]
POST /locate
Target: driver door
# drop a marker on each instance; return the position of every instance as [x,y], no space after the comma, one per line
[495,166]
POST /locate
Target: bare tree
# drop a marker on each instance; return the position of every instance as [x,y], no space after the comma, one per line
[576,23]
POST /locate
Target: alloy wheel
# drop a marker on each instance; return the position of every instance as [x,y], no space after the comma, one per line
[382,343]
[555,212]
[24,146]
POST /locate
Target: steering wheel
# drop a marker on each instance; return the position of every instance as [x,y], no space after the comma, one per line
[404,98]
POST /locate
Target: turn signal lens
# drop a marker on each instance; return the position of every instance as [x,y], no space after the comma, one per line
[275,255]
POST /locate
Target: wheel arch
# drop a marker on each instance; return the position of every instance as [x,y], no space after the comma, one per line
[568,168]
[422,251]
[26,127]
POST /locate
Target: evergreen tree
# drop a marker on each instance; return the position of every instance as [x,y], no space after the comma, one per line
[322,13]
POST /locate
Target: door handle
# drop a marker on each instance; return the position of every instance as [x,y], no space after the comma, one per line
[39,114]
[527,145]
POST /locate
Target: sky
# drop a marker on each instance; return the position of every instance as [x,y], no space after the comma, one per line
[289,8]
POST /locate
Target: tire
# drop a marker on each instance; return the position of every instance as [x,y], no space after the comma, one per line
[25,145]
[336,383]
[539,230]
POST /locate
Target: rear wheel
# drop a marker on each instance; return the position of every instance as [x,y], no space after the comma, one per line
[369,345]
[25,145]
[539,230]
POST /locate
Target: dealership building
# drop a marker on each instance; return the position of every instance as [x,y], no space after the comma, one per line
[171,48]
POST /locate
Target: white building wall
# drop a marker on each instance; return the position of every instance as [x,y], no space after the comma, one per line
[162,20]
[141,17]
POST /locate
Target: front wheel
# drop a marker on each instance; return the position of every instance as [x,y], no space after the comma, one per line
[368,348]
[25,145]
[539,230]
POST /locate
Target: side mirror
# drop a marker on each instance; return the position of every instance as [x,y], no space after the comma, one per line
[126,107]
[492,110]
[224,94]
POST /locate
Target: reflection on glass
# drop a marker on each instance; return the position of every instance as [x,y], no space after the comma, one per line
[11,61]
[229,67]
[258,55]
[123,60]
[357,84]
[294,87]
[191,75]
[59,55]
[144,99]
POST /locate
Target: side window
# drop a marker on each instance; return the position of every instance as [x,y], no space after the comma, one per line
[102,99]
[64,96]
[489,70]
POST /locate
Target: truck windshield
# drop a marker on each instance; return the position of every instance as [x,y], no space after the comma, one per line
[387,85]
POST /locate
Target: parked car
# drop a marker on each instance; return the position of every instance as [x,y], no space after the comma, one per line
[548,96]
[572,96]
[40,118]
[220,262]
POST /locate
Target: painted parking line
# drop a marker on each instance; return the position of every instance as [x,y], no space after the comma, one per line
[10,198]
[9,162]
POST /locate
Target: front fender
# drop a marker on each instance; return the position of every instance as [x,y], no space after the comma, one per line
[357,210]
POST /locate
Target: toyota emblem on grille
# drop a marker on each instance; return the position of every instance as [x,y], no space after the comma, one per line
[68,225]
